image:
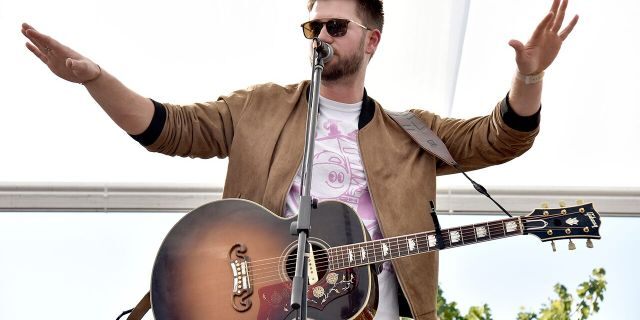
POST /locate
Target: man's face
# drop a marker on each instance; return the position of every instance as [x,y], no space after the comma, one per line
[348,55]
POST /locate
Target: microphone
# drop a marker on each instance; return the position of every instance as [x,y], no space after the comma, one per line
[325,51]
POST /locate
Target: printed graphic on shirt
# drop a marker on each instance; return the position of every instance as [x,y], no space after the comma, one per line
[338,174]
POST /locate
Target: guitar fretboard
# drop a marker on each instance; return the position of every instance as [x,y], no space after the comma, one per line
[375,251]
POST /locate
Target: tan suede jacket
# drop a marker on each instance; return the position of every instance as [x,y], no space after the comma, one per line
[261,130]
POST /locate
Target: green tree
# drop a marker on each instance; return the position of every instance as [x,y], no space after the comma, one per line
[590,294]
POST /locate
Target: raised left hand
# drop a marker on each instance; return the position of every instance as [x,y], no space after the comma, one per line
[543,46]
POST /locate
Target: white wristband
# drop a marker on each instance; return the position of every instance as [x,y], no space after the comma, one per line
[530,79]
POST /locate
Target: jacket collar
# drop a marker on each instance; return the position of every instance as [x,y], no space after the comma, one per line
[367,111]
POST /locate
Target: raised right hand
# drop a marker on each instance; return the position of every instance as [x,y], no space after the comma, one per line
[61,60]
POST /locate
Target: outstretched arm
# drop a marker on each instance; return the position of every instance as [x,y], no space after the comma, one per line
[128,109]
[535,56]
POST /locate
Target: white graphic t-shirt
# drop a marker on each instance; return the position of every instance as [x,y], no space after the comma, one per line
[338,174]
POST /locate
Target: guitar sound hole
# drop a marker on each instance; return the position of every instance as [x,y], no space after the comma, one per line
[321,258]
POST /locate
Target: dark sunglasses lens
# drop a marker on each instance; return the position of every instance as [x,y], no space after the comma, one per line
[337,28]
[311,29]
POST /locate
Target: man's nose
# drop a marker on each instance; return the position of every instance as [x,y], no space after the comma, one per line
[324,35]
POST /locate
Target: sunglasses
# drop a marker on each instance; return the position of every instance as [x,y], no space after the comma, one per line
[335,27]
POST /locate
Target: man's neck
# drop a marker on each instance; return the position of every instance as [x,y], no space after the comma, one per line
[343,90]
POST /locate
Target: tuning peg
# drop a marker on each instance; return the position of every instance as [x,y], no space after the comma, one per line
[553,246]
[545,205]
[579,202]
[572,246]
[562,204]
[589,244]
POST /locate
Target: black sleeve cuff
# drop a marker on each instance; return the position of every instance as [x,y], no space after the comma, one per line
[517,122]
[151,134]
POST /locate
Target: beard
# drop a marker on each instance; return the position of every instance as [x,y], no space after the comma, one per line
[346,67]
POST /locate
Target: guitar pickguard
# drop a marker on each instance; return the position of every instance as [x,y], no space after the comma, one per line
[275,299]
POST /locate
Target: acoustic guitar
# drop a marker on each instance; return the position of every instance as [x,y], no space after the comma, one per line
[234,259]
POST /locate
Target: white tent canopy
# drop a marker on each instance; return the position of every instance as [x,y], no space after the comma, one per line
[450,57]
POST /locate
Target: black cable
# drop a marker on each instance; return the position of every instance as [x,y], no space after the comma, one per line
[124,313]
[482,190]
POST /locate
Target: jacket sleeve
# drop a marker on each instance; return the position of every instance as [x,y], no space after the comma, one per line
[483,141]
[199,130]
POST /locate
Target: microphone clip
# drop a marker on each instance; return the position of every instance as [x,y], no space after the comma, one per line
[323,49]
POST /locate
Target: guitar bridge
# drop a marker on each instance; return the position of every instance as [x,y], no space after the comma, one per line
[240,276]
[241,293]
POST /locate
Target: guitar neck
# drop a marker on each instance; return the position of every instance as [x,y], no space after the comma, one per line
[370,252]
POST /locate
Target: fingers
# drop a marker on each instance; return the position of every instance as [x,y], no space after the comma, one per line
[554,6]
[557,23]
[43,42]
[543,25]
[565,33]
[37,52]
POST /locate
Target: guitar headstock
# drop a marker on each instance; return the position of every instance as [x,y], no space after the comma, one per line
[576,222]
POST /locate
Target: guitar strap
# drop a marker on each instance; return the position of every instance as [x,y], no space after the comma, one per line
[422,135]
[141,308]
[418,131]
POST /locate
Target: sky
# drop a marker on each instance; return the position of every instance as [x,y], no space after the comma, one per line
[77,264]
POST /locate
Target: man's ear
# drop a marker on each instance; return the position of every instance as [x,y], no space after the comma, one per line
[374,40]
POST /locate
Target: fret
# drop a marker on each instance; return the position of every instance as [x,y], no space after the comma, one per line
[426,241]
[461,235]
[468,231]
[392,247]
[488,229]
[409,244]
[374,248]
[330,259]
[403,247]
[375,254]
[504,231]
[472,233]
[400,245]
[423,245]
[397,248]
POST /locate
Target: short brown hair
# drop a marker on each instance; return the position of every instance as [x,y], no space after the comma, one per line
[370,12]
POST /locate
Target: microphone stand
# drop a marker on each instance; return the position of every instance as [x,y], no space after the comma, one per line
[303,224]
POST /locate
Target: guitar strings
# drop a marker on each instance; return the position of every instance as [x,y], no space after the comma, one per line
[395,248]
[341,256]
[323,261]
[492,223]
[341,259]
[275,275]
[524,220]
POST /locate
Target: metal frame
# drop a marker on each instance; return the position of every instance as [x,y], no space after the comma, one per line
[130,197]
